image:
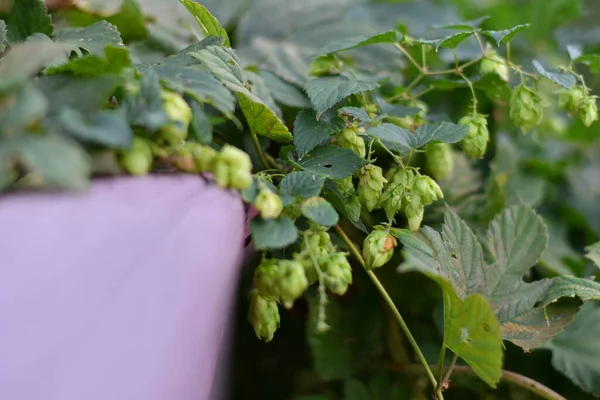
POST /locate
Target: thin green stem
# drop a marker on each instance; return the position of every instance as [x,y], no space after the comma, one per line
[481,47]
[508,53]
[259,152]
[322,289]
[524,382]
[391,153]
[390,304]
[441,358]
[449,371]
[472,91]
[414,82]
[424,57]
[409,56]
[455,54]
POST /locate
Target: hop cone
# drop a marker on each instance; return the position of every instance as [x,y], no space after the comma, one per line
[370,185]
[588,110]
[349,139]
[440,160]
[263,314]
[493,63]
[526,109]
[338,273]
[268,204]
[475,142]
[378,249]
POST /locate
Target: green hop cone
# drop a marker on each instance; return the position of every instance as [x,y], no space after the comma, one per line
[137,160]
[292,281]
[183,159]
[203,156]
[407,123]
[587,110]
[378,249]
[263,315]
[268,204]
[266,279]
[569,100]
[345,185]
[370,185]
[320,245]
[353,208]
[493,63]
[348,138]
[398,182]
[526,109]
[180,115]
[474,144]
[427,190]
[414,212]
[232,168]
[440,159]
[338,273]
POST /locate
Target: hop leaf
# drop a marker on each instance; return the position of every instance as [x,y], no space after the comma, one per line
[440,159]
[370,185]
[378,248]
[493,63]
[526,109]
[263,314]
[588,110]
[478,136]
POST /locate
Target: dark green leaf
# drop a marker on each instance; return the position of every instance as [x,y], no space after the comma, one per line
[184,58]
[21,109]
[570,286]
[449,42]
[320,211]
[224,65]
[201,126]
[560,78]
[24,60]
[86,95]
[355,390]
[471,331]
[93,38]
[591,60]
[301,184]
[309,131]
[331,161]
[49,161]
[354,112]
[400,138]
[146,108]
[108,128]
[360,41]
[445,132]
[208,23]
[115,59]
[283,92]
[200,85]
[273,233]
[504,36]
[26,18]
[575,352]
[326,91]
[396,111]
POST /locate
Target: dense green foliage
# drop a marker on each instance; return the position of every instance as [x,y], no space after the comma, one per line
[426,188]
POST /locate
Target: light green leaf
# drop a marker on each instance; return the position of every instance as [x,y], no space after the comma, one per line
[93,38]
[3,36]
[450,41]
[108,128]
[516,239]
[560,78]
[355,390]
[360,41]
[301,184]
[331,161]
[200,85]
[593,253]
[472,332]
[309,131]
[26,18]
[575,352]
[320,211]
[224,65]
[326,91]
[115,59]
[504,36]
[259,88]
[273,233]
[208,23]
[25,60]
[49,161]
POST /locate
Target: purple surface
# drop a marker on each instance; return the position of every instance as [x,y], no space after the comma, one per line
[124,292]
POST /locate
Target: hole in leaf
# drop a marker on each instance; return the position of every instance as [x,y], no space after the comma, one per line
[327,165]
